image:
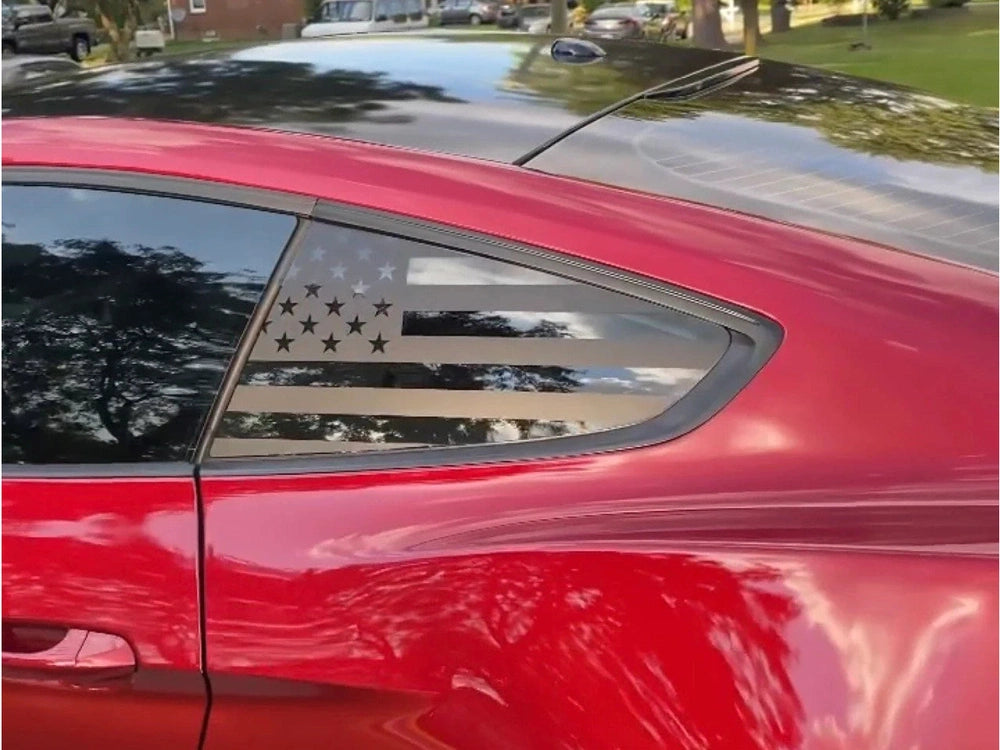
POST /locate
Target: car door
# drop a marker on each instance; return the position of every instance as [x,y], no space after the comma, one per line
[34,29]
[391,559]
[121,310]
[456,11]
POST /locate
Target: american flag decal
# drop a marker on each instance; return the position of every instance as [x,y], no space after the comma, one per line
[375,342]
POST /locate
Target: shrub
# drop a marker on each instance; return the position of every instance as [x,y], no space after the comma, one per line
[892,9]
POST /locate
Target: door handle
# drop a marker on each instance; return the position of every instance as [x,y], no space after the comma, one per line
[67,652]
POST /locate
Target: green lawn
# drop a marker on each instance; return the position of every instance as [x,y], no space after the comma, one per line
[952,53]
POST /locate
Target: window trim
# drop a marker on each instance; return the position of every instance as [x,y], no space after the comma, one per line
[197,9]
[753,338]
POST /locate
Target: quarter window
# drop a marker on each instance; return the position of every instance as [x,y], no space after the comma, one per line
[377,343]
[120,314]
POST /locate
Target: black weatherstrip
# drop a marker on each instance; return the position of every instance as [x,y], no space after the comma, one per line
[250,333]
[202,606]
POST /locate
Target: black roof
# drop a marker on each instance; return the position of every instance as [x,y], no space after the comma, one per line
[838,153]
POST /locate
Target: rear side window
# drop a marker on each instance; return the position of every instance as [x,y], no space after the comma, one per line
[120,314]
[377,343]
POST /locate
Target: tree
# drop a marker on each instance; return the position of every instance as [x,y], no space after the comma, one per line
[120,19]
[751,26]
[310,8]
[707,24]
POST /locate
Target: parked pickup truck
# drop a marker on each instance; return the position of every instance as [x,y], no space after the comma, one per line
[33,29]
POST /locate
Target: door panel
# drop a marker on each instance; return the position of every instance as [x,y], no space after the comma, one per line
[776,575]
[552,605]
[116,555]
[121,311]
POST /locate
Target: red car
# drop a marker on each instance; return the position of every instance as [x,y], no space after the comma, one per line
[648,403]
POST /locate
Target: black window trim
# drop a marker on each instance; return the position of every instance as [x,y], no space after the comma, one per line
[753,338]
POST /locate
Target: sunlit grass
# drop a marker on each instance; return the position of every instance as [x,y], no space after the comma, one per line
[952,53]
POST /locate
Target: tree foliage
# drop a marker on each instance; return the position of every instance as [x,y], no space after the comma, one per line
[119,20]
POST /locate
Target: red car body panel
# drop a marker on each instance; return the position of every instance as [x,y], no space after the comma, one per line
[813,567]
[112,554]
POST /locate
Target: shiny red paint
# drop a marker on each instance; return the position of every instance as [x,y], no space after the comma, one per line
[114,555]
[814,567]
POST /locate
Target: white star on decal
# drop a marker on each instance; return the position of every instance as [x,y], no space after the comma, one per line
[318,254]
[364,254]
[385,272]
[338,271]
[360,288]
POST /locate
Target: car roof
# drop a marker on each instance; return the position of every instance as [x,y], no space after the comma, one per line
[828,151]
[484,95]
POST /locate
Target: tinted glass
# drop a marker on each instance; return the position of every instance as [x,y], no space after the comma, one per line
[120,313]
[377,343]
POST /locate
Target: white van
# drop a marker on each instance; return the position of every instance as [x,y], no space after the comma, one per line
[365,16]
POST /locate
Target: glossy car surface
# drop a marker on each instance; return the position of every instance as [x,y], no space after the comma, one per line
[24,68]
[807,560]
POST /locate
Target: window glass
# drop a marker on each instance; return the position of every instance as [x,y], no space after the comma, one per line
[347,10]
[376,343]
[120,314]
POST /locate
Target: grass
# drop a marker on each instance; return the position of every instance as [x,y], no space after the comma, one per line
[952,53]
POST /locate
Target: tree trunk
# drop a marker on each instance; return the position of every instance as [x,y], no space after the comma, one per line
[707,25]
[780,17]
[559,18]
[751,26]
[120,36]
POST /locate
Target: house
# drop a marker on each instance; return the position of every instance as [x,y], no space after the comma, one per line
[233,19]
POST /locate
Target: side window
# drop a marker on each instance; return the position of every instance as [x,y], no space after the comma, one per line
[415,9]
[376,342]
[120,314]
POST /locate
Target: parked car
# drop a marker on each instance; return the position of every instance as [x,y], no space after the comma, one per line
[27,67]
[336,17]
[472,12]
[640,407]
[520,17]
[668,21]
[617,21]
[530,14]
[32,29]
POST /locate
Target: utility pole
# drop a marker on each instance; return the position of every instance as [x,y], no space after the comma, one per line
[559,19]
